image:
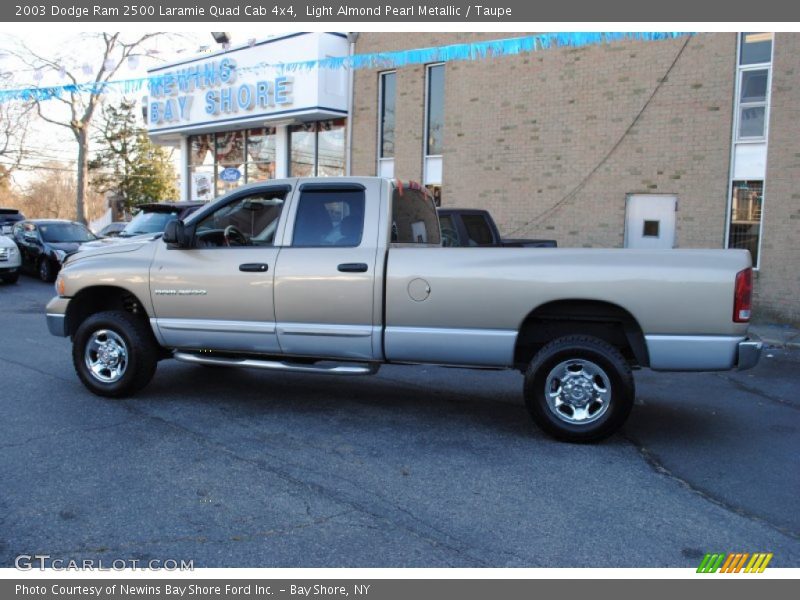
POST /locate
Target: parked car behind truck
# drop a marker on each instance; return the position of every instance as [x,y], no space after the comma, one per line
[46,243]
[342,275]
[10,260]
[8,217]
[476,227]
[150,220]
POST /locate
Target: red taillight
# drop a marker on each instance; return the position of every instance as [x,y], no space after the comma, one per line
[743,296]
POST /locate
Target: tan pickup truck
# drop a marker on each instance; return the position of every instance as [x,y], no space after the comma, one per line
[341,275]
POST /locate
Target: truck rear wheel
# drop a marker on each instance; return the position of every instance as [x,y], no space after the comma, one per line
[579,389]
[114,354]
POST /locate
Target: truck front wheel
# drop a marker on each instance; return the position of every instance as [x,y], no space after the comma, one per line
[114,353]
[579,389]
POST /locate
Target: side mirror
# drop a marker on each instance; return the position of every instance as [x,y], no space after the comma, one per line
[30,236]
[174,233]
[179,235]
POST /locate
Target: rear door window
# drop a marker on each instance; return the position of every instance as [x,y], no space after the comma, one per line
[329,218]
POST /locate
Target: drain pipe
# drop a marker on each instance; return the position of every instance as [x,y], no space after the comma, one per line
[351,37]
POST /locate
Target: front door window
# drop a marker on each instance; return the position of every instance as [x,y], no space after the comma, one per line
[249,221]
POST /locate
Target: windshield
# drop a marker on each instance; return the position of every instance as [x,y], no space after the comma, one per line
[65,232]
[148,222]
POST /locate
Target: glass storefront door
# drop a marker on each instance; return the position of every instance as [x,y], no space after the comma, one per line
[220,162]
[317,149]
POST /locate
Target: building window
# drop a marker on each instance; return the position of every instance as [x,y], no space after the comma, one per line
[745,224]
[749,152]
[229,157]
[755,57]
[434,126]
[201,167]
[386,122]
[753,92]
[221,162]
[651,228]
[260,154]
[330,148]
[755,48]
[434,130]
[317,149]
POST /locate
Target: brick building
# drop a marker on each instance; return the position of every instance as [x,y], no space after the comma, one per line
[688,142]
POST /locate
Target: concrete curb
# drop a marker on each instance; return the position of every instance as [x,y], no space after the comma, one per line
[777,336]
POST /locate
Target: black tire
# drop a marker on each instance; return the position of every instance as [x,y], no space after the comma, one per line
[11,278]
[613,381]
[46,271]
[142,353]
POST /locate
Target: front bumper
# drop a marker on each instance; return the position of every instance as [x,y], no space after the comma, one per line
[749,354]
[56,312]
[11,263]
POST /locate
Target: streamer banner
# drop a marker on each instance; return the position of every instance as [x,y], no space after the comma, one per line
[383,60]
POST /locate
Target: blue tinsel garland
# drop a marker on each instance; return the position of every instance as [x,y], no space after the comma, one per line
[384,60]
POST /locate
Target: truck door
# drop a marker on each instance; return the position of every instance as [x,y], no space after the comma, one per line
[217,295]
[325,278]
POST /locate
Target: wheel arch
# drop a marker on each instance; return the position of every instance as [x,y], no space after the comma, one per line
[99,298]
[599,318]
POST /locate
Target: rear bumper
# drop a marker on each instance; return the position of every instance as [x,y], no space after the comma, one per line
[749,354]
[702,352]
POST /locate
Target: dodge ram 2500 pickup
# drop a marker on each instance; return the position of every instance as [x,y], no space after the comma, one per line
[341,275]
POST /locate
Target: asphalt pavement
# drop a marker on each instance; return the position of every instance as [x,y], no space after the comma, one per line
[416,466]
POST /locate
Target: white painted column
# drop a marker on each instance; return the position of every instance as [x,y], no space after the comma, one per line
[184,150]
[281,151]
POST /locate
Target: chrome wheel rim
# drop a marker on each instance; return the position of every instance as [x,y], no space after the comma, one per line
[106,356]
[578,391]
[43,270]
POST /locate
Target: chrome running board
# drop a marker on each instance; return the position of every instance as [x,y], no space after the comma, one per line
[328,368]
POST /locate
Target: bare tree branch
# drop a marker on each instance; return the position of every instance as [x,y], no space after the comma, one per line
[83,105]
[14,122]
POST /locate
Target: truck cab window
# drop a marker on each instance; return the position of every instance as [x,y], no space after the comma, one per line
[414,218]
[449,231]
[248,221]
[329,218]
[478,230]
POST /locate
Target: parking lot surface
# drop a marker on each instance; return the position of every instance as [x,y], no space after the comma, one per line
[417,466]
